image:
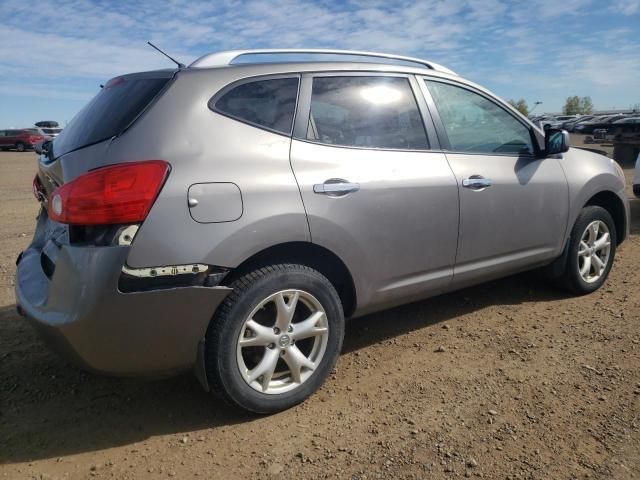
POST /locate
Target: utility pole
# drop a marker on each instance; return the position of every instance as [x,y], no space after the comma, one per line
[535,104]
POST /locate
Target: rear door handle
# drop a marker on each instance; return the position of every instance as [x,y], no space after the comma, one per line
[476,182]
[335,188]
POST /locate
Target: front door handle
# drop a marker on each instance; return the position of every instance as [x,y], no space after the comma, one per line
[476,182]
[336,187]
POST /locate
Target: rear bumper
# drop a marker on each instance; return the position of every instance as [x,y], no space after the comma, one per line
[81,314]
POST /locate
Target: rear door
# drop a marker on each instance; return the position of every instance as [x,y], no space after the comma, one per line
[374,191]
[513,204]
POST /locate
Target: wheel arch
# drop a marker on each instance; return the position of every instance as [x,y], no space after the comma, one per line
[614,205]
[311,255]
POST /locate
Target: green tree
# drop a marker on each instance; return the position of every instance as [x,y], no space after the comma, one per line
[521,106]
[572,106]
[575,105]
[586,105]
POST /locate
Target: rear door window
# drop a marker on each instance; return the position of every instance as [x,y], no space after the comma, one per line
[366,112]
[269,103]
[111,111]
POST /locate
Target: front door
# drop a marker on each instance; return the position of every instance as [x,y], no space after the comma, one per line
[373,192]
[513,204]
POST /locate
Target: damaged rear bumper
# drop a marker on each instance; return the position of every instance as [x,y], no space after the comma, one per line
[79,310]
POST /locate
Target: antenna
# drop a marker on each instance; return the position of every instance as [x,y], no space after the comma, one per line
[180,65]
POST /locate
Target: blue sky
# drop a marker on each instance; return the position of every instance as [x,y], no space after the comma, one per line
[55,53]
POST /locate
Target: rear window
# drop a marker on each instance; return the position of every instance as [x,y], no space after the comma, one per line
[112,110]
[264,103]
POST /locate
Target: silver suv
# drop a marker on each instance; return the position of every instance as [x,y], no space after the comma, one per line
[228,216]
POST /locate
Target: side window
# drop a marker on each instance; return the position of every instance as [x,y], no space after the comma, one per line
[477,125]
[368,112]
[266,103]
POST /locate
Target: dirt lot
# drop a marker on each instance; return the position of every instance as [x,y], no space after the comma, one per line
[532,384]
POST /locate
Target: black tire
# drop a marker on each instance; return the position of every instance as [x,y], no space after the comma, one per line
[571,278]
[20,147]
[223,372]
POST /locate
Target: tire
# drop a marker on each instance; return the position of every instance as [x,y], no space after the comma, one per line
[580,239]
[262,295]
[20,147]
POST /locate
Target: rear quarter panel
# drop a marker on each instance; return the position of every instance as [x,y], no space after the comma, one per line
[203,146]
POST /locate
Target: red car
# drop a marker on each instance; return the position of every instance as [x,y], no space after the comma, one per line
[20,140]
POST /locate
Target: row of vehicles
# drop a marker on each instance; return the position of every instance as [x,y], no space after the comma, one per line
[587,124]
[22,139]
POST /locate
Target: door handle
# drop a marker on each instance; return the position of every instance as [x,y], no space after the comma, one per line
[336,188]
[476,182]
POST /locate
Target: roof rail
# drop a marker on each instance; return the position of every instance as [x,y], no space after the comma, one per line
[219,59]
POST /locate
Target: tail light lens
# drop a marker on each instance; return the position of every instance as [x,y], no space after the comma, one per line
[35,139]
[110,195]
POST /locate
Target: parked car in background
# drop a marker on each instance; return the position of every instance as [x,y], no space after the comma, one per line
[21,139]
[627,120]
[558,122]
[49,128]
[625,125]
[636,178]
[285,196]
[570,125]
[597,123]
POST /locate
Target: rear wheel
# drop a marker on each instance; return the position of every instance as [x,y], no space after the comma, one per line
[275,339]
[20,147]
[591,252]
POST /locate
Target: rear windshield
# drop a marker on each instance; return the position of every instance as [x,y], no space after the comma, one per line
[112,110]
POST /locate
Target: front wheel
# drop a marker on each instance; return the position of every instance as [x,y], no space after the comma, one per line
[275,339]
[592,248]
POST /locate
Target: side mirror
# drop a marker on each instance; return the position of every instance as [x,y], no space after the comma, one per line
[556,141]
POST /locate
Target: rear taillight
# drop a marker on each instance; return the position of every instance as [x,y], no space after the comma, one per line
[35,139]
[121,193]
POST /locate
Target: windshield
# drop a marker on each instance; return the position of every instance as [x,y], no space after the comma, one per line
[111,111]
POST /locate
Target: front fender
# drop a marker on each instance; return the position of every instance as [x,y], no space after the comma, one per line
[589,174]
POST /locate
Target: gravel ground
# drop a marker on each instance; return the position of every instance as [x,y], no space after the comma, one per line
[512,380]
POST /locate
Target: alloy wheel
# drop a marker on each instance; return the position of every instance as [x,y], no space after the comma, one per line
[282,341]
[594,251]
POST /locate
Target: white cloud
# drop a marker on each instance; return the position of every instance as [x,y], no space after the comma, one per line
[503,41]
[626,7]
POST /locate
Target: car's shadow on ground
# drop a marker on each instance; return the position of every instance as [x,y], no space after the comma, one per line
[50,409]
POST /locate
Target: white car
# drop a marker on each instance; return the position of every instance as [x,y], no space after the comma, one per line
[49,129]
